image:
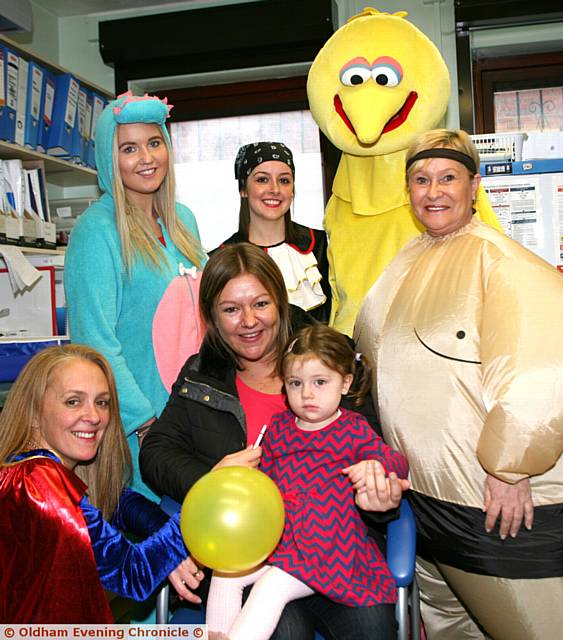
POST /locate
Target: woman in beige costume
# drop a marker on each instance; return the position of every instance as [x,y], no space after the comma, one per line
[465,329]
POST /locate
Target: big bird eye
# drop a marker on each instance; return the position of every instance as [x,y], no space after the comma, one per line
[386,75]
[386,71]
[354,75]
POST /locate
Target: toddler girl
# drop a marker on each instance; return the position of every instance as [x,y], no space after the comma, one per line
[320,457]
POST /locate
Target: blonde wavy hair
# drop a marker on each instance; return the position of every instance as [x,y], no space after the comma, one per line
[135,231]
[108,473]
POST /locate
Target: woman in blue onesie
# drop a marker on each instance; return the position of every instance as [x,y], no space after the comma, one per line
[64,462]
[132,265]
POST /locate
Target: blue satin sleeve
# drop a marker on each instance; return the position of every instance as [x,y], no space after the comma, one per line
[138,515]
[129,569]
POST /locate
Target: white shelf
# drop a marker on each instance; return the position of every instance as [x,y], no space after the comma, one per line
[45,252]
[40,257]
[60,172]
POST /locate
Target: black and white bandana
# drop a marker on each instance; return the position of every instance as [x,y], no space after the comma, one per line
[249,156]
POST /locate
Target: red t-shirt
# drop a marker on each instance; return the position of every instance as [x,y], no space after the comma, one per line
[259,408]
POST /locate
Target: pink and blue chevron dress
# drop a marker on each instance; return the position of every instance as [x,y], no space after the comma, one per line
[325,544]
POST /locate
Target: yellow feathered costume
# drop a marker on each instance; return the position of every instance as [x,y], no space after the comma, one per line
[376,83]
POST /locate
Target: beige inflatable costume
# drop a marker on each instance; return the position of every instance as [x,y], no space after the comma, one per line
[376,83]
[466,332]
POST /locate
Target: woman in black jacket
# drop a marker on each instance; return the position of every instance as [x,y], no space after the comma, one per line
[266,179]
[223,396]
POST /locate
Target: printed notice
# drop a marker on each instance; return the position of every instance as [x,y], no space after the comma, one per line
[558,216]
[530,210]
[516,205]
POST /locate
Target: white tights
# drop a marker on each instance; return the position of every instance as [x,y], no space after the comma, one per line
[272,590]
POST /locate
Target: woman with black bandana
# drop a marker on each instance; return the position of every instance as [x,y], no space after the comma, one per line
[266,172]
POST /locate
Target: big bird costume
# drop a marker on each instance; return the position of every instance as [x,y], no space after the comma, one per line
[375,84]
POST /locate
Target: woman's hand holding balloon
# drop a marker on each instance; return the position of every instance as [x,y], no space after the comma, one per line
[374,490]
[187,575]
[248,457]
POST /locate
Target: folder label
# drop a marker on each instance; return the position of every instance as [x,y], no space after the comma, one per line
[64,116]
[36,82]
[72,103]
[49,101]
[81,112]
[21,102]
[33,106]
[2,81]
[12,81]
[88,121]
[97,108]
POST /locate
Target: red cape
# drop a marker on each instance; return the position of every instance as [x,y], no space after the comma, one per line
[47,568]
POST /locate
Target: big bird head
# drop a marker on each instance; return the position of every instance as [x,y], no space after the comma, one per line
[377,82]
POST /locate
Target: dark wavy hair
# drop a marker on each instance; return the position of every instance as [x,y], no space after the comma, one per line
[335,351]
[231,261]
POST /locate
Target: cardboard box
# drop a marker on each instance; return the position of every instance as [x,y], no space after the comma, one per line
[10,229]
[39,203]
[30,230]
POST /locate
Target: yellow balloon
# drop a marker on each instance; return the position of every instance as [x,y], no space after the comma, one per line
[232,518]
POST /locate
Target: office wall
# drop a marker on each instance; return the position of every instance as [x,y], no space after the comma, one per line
[45,37]
[75,45]
[521,39]
[72,42]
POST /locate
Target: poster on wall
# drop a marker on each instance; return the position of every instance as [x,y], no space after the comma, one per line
[530,210]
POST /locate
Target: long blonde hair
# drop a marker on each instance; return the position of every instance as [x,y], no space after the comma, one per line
[136,234]
[110,470]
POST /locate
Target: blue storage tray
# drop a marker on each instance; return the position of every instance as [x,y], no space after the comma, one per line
[521,168]
[15,355]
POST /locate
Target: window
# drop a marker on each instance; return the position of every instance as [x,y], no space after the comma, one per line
[519,93]
[529,110]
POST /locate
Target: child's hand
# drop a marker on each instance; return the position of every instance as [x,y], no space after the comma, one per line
[375,491]
[357,474]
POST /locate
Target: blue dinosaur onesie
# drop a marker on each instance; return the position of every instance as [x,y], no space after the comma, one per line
[146,322]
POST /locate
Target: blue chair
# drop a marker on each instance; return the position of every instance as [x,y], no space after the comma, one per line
[401,558]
